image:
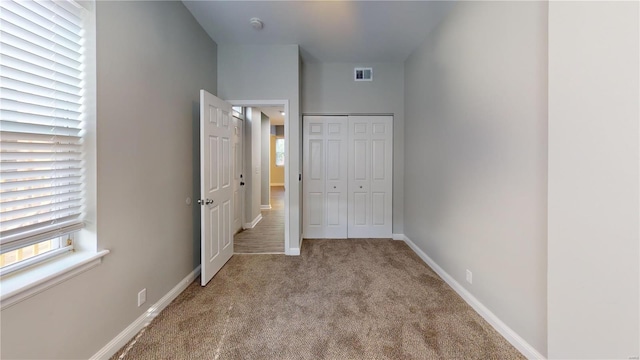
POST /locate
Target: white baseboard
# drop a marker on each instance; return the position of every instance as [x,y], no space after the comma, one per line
[397,237]
[511,336]
[253,224]
[130,331]
[276,184]
[265,207]
[293,252]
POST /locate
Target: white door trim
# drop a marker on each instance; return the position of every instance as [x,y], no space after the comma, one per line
[287,158]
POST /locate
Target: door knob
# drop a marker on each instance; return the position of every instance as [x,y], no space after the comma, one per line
[360,186]
[208,202]
[241,183]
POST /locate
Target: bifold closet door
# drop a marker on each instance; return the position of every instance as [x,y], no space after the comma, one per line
[370,176]
[325,176]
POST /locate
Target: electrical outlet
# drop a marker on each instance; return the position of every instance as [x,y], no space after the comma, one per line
[469,277]
[142,297]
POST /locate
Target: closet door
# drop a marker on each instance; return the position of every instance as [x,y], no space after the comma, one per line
[370,176]
[336,176]
[314,129]
[325,176]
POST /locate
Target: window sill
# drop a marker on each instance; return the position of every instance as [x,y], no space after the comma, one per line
[24,284]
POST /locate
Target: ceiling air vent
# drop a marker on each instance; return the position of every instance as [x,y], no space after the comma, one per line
[363,74]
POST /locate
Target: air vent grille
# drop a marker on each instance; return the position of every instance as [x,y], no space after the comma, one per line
[363,74]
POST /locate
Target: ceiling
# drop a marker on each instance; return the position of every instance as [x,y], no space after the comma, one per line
[273,112]
[327,31]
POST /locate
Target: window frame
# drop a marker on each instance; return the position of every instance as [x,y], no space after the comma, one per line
[35,276]
[275,161]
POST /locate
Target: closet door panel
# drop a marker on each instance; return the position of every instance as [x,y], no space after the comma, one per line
[381,176]
[314,177]
[336,176]
[359,216]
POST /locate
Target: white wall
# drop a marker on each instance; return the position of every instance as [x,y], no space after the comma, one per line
[153,58]
[476,156]
[328,88]
[268,72]
[594,177]
[265,145]
[252,164]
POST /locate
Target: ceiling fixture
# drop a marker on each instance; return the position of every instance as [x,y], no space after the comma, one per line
[256,23]
[282,113]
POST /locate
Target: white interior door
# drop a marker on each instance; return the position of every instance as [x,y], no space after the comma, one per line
[325,176]
[336,176]
[370,176]
[314,129]
[216,129]
[238,177]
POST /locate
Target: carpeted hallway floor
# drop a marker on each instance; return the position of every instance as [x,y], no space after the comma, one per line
[341,299]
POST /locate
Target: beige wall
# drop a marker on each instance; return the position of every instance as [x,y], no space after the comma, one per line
[476,156]
[252,164]
[248,72]
[277,172]
[153,58]
[594,176]
[328,88]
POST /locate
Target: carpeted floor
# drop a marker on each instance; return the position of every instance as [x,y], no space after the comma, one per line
[341,299]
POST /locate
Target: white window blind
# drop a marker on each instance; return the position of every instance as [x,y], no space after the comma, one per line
[41,121]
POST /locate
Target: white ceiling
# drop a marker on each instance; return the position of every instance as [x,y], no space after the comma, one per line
[327,31]
[273,112]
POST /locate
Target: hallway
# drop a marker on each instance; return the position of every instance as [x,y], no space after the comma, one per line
[268,235]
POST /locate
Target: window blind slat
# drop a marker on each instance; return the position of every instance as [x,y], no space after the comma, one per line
[39,147]
[36,21]
[37,137]
[39,165]
[69,23]
[10,61]
[34,109]
[29,175]
[42,196]
[23,86]
[39,100]
[61,180]
[43,40]
[65,9]
[38,129]
[33,156]
[37,205]
[41,120]
[44,218]
[42,81]
[16,116]
[11,240]
[41,57]
[11,35]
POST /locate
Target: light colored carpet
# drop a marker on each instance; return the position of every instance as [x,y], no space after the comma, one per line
[341,299]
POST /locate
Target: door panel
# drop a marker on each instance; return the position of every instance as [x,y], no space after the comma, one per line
[325,176]
[216,189]
[378,208]
[337,174]
[347,168]
[370,177]
[313,172]
[214,234]
[381,185]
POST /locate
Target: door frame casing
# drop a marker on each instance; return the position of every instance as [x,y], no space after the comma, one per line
[287,158]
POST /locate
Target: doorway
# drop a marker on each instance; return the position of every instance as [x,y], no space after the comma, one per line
[264,178]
